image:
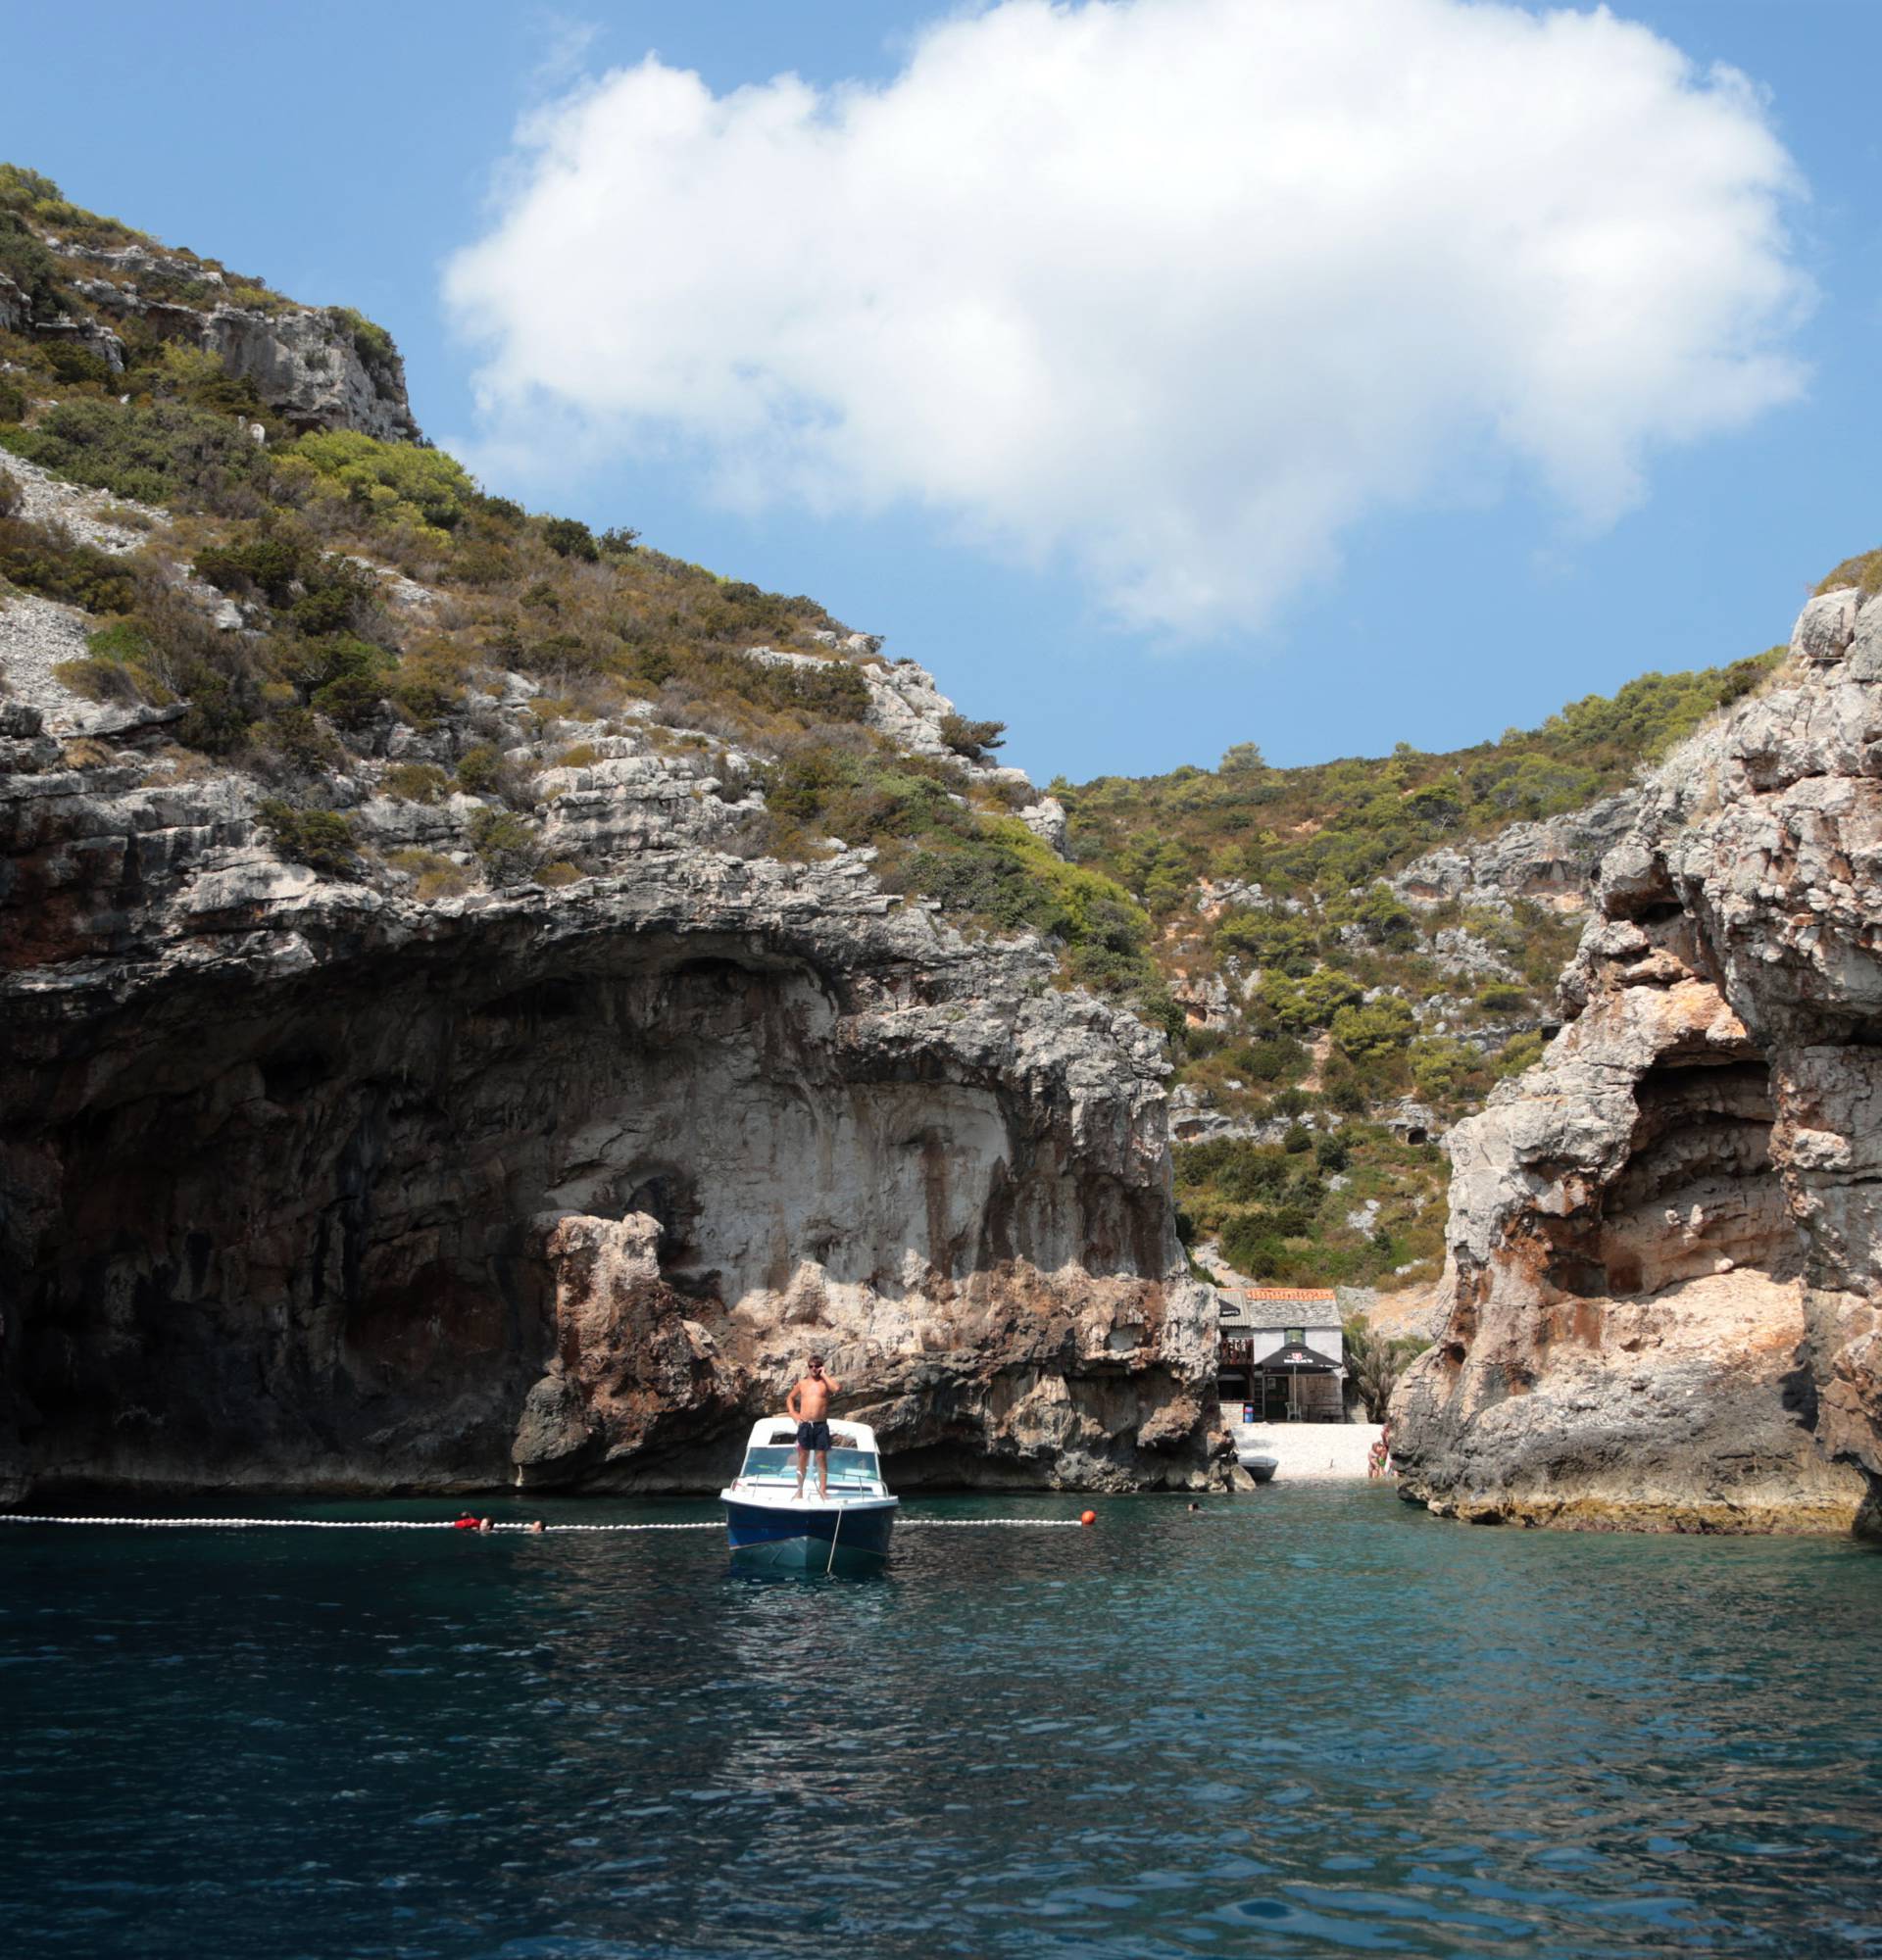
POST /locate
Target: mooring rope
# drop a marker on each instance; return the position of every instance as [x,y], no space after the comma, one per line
[447,1524]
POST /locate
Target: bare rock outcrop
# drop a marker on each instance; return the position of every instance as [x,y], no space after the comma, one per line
[1664,1259]
[312,1182]
[319,367]
[1552,860]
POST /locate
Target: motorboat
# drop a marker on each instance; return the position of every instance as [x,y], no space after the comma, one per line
[1255,1453]
[772,1528]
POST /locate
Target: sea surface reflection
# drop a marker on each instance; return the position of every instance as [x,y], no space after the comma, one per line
[1303,1722]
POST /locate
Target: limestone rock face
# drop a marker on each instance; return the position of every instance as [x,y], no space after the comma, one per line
[306,362]
[1665,1260]
[1553,861]
[310,1183]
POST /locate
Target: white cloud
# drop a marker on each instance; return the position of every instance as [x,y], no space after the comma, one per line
[1178,288]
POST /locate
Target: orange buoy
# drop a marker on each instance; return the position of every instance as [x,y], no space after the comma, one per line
[1087,1517]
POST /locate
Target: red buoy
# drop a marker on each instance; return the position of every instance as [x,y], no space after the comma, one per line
[1087,1517]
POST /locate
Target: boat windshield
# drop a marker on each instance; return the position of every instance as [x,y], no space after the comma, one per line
[850,1469]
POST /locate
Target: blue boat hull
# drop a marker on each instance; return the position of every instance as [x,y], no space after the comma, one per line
[805,1539]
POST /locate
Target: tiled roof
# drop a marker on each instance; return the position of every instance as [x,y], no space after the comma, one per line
[1285,1292]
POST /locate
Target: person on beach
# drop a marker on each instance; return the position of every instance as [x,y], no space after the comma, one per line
[809,1404]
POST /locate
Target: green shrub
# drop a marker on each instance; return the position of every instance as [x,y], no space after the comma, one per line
[104,681]
[387,483]
[1159,870]
[830,691]
[1270,1059]
[972,739]
[378,356]
[303,741]
[268,563]
[165,454]
[1275,941]
[860,795]
[343,677]
[506,847]
[1517,1055]
[321,839]
[175,372]
[991,885]
[569,537]
[1315,1002]
[1379,912]
[433,876]
[20,188]
[480,770]
[415,782]
[73,365]
[121,666]
[27,262]
[38,561]
[12,404]
[1863,571]
[1444,1070]
[1376,1029]
[425,690]
[350,699]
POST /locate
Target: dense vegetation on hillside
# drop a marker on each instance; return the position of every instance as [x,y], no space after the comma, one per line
[1329,827]
[1324,999]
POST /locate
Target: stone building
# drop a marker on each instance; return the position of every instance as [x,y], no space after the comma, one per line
[1281,1354]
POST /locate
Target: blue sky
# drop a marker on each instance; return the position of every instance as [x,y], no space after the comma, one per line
[346,153]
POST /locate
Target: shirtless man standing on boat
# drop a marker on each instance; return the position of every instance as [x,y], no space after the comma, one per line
[810,1404]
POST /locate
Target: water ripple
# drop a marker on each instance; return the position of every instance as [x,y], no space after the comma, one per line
[1306,1723]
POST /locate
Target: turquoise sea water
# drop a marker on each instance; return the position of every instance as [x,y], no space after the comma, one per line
[1308,1721]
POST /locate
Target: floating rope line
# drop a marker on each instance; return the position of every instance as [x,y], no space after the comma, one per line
[446,1524]
[976,1524]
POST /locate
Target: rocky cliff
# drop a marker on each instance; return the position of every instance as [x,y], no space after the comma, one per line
[1662,1284]
[70,279]
[393,1171]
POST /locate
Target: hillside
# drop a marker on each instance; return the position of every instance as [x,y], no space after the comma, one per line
[336,610]
[1359,951]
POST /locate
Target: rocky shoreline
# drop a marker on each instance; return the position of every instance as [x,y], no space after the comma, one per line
[1661,1287]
